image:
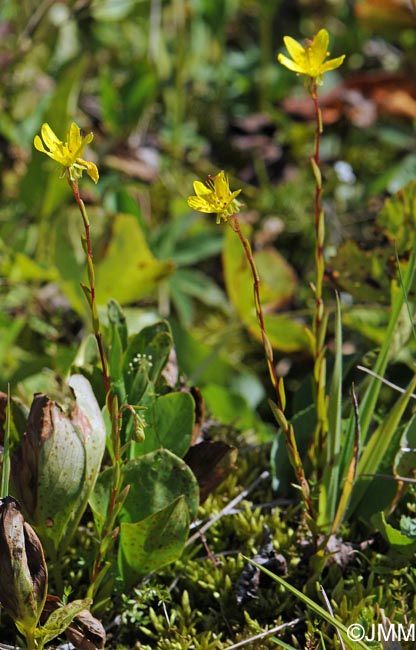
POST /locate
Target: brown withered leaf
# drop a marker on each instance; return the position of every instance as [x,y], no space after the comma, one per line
[86,632]
[211,461]
[24,574]
[24,462]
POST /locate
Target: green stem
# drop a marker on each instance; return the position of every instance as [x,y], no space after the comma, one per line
[118,494]
[31,643]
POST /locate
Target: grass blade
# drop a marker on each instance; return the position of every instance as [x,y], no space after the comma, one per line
[328,494]
[343,630]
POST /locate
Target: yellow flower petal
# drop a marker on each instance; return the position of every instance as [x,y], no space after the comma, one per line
[332,64]
[200,189]
[310,59]
[199,204]
[291,65]
[215,197]
[39,145]
[74,139]
[90,168]
[49,137]
[68,154]
[319,46]
[295,49]
[222,188]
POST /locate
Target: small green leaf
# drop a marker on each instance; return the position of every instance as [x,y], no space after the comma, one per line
[278,415]
[87,293]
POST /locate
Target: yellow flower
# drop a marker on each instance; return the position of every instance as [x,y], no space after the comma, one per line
[215,196]
[310,60]
[68,154]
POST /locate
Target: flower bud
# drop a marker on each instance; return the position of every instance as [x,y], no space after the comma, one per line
[23,575]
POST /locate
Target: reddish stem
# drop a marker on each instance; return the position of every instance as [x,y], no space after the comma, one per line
[319,320]
[276,381]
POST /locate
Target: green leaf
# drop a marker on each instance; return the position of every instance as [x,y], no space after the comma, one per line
[118,343]
[284,333]
[194,248]
[198,285]
[153,542]
[117,320]
[113,10]
[24,268]
[155,480]
[370,323]
[170,420]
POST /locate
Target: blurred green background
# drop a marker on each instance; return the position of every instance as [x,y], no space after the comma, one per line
[173,91]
